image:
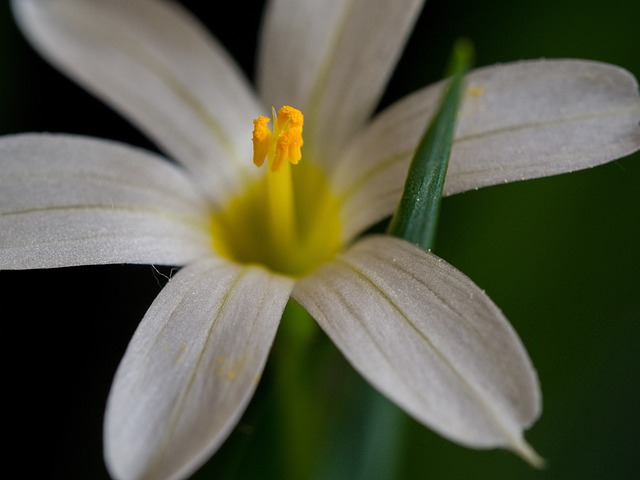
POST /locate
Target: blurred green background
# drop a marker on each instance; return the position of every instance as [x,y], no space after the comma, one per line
[560,256]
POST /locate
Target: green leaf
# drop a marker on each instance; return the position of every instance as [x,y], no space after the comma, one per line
[416,217]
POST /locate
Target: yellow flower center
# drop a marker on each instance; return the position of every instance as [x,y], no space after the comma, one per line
[288,220]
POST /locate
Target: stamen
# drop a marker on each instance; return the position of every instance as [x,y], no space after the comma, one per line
[262,138]
[281,148]
[290,121]
[284,143]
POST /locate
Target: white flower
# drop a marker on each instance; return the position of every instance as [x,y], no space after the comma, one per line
[418,329]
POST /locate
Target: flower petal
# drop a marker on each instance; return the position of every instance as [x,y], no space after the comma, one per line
[154,63]
[427,337]
[331,59]
[518,121]
[191,369]
[68,201]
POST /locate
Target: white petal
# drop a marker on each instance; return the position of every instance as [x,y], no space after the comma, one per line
[535,119]
[191,369]
[68,201]
[518,121]
[154,63]
[332,59]
[427,337]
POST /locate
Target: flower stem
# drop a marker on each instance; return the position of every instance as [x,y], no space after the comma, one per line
[296,387]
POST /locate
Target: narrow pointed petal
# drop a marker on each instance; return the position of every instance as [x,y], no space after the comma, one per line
[191,369]
[518,121]
[428,338]
[68,201]
[155,64]
[332,59]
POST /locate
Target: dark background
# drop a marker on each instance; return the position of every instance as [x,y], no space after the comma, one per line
[560,256]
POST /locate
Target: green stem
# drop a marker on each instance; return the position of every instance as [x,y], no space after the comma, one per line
[295,386]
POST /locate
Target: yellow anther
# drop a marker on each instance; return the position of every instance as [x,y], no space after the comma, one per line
[289,117]
[287,149]
[283,144]
[262,139]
